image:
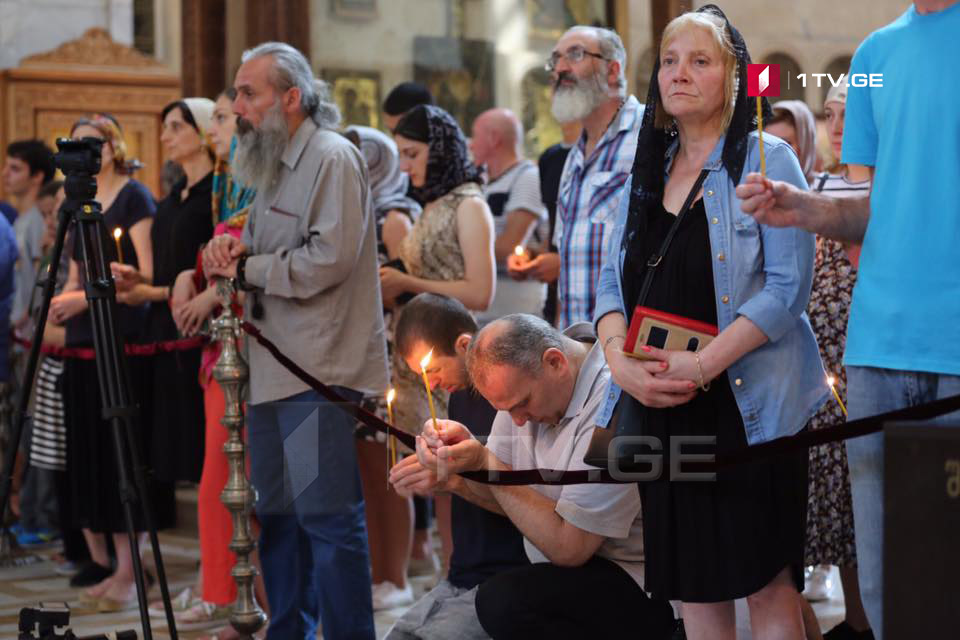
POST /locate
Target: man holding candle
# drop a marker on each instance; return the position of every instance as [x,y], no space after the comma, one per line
[588,67]
[308,259]
[906,302]
[512,191]
[584,540]
[484,543]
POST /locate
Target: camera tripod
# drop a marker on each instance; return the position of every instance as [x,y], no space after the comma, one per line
[80,162]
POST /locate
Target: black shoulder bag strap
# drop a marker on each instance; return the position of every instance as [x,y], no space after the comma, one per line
[654,260]
[599,448]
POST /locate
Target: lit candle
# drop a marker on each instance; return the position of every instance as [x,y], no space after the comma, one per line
[763,158]
[830,381]
[426,383]
[391,440]
[519,250]
[117,233]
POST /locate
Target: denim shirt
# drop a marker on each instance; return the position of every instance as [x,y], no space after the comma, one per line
[760,272]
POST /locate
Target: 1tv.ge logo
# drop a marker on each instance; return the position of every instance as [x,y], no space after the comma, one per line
[764,80]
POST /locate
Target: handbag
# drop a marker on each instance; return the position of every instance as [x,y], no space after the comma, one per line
[627,415]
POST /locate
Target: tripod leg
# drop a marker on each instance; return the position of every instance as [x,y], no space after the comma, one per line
[141,482]
[128,497]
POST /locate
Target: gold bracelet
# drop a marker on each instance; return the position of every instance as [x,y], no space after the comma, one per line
[705,387]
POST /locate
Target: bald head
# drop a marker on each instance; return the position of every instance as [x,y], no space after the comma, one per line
[523,365]
[497,133]
[518,340]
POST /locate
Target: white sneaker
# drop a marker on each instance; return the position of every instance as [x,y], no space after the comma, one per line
[205,615]
[387,595]
[818,584]
[179,603]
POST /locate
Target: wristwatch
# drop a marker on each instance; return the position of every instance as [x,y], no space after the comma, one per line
[241,274]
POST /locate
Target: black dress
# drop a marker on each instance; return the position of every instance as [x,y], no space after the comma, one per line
[721,540]
[91,459]
[180,229]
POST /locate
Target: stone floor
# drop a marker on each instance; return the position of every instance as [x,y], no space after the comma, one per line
[36,582]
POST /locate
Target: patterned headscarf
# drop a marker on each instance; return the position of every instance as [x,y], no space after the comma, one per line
[649,164]
[109,128]
[448,163]
[388,185]
[231,198]
[806,128]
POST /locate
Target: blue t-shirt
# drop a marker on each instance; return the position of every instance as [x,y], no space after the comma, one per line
[907,298]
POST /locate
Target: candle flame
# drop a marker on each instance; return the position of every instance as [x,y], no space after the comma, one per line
[391,395]
[426,360]
[519,250]
[117,233]
[830,380]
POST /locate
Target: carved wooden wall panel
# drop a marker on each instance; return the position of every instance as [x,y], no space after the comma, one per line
[44,96]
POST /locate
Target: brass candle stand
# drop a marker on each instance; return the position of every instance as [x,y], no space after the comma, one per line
[239,496]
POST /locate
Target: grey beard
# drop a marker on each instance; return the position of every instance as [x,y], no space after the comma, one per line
[257,161]
[577,102]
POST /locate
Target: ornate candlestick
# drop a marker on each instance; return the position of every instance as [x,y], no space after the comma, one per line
[238,495]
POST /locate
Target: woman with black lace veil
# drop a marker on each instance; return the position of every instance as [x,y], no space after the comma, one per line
[741,534]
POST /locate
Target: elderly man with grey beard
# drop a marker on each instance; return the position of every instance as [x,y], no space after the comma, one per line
[588,68]
[308,260]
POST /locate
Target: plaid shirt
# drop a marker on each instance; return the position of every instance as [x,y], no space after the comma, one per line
[589,196]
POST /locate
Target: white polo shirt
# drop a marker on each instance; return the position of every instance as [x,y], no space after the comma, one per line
[609,510]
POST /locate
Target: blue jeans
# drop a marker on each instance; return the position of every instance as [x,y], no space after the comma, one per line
[313,539]
[871,391]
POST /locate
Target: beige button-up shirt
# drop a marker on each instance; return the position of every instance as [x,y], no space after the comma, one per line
[313,258]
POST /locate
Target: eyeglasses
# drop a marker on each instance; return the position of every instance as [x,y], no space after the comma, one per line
[572,55]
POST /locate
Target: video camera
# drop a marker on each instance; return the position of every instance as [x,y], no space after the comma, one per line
[80,162]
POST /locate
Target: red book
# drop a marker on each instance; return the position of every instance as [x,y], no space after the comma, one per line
[665,331]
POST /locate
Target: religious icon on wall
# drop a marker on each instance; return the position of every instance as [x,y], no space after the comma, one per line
[354,8]
[548,19]
[459,74]
[357,93]
[540,127]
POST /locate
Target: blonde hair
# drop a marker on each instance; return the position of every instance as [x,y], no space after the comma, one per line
[716,27]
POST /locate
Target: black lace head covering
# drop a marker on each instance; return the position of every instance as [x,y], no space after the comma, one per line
[448,164]
[653,141]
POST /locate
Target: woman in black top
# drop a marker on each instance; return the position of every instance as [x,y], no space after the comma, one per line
[183,224]
[91,459]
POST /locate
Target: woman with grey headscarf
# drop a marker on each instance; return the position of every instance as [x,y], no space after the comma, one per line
[793,123]
[395,210]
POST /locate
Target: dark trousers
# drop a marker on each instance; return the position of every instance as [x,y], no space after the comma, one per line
[313,536]
[595,600]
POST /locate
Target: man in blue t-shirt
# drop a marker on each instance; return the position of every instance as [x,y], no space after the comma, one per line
[907,298]
[484,543]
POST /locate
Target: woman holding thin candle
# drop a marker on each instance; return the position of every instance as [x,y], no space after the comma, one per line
[741,535]
[91,463]
[448,251]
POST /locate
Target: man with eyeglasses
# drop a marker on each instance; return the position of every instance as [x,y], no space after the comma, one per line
[588,67]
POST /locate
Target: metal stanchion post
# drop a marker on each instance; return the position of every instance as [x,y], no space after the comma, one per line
[239,496]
